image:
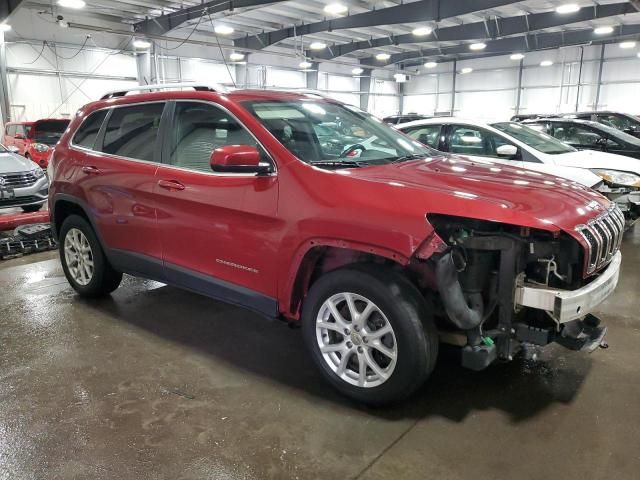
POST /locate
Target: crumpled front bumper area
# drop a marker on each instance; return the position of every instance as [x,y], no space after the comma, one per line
[567,305]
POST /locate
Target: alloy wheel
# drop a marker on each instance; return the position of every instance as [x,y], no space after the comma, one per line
[356,340]
[78,256]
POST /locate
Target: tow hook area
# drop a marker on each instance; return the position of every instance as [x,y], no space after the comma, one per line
[585,335]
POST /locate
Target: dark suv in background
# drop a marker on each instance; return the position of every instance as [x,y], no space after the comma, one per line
[588,135]
[622,121]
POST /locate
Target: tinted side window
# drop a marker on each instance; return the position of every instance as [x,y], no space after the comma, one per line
[427,135]
[576,135]
[468,141]
[132,132]
[88,131]
[11,130]
[199,129]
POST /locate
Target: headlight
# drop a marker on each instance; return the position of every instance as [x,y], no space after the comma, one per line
[38,172]
[616,177]
[40,147]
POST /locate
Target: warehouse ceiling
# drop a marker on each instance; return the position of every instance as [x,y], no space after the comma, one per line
[370,28]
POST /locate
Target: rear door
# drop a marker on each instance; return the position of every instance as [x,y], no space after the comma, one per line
[216,229]
[426,134]
[118,178]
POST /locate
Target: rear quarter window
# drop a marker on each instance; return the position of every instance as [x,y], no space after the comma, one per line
[88,132]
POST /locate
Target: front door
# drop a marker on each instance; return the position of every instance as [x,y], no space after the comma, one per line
[478,143]
[218,231]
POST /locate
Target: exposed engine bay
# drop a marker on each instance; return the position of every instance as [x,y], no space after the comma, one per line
[476,277]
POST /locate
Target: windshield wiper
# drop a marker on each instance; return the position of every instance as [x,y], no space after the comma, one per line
[412,156]
[337,163]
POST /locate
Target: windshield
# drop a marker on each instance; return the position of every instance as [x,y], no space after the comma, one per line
[323,132]
[49,132]
[533,138]
[615,133]
[620,121]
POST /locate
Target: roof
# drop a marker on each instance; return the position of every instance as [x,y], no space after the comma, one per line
[367,28]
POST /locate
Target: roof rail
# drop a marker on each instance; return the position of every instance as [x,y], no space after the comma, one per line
[164,86]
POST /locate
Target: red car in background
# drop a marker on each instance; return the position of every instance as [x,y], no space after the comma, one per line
[35,140]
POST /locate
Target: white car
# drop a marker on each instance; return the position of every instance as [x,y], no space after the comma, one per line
[615,176]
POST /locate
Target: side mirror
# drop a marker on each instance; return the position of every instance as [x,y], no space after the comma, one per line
[237,159]
[507,151]
[19,136]
[13,149]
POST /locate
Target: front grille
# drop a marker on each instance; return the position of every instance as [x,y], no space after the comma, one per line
[18,180]
[603,236]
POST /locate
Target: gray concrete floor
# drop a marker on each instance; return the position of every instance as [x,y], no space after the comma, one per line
[158,383]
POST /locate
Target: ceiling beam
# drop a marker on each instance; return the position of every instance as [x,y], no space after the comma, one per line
[165,23]
[7,7]
[495,28]
[524,43]
[419,11]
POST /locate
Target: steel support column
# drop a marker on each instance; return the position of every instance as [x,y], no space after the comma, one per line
[365,88]
[601,64]
[5,109]
[579,78]
[312,76]
[519,91]
[453,87]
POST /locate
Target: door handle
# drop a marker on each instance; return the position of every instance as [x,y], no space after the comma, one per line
[170,185]
[89,170]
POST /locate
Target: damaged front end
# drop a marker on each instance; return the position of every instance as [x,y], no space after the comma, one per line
[504,290]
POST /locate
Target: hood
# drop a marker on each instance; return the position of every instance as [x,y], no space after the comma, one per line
[596,159]
[489,191]
[13,163]
[580,175]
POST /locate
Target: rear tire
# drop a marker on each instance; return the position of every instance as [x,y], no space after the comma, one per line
[31,208]
[384,344]
[83,260]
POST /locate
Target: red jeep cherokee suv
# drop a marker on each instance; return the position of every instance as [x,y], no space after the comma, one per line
[378,245]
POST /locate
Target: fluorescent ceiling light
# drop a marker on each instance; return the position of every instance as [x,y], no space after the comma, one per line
[517,56]
[627,44]
[318,46]
[357,71]
[603,30]
[72,3]
[430,64]
[336,8]
[422,31]
[236,57]
[5,27]
[383,56]
[546,63]
[143,44]
[478,46]
[305,64]
[568,8]
[466,70]
[223,29]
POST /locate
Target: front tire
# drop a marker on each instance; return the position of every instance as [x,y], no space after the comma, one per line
[83,260]
[370,333]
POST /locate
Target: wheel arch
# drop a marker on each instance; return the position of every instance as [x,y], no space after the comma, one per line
[318,256]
